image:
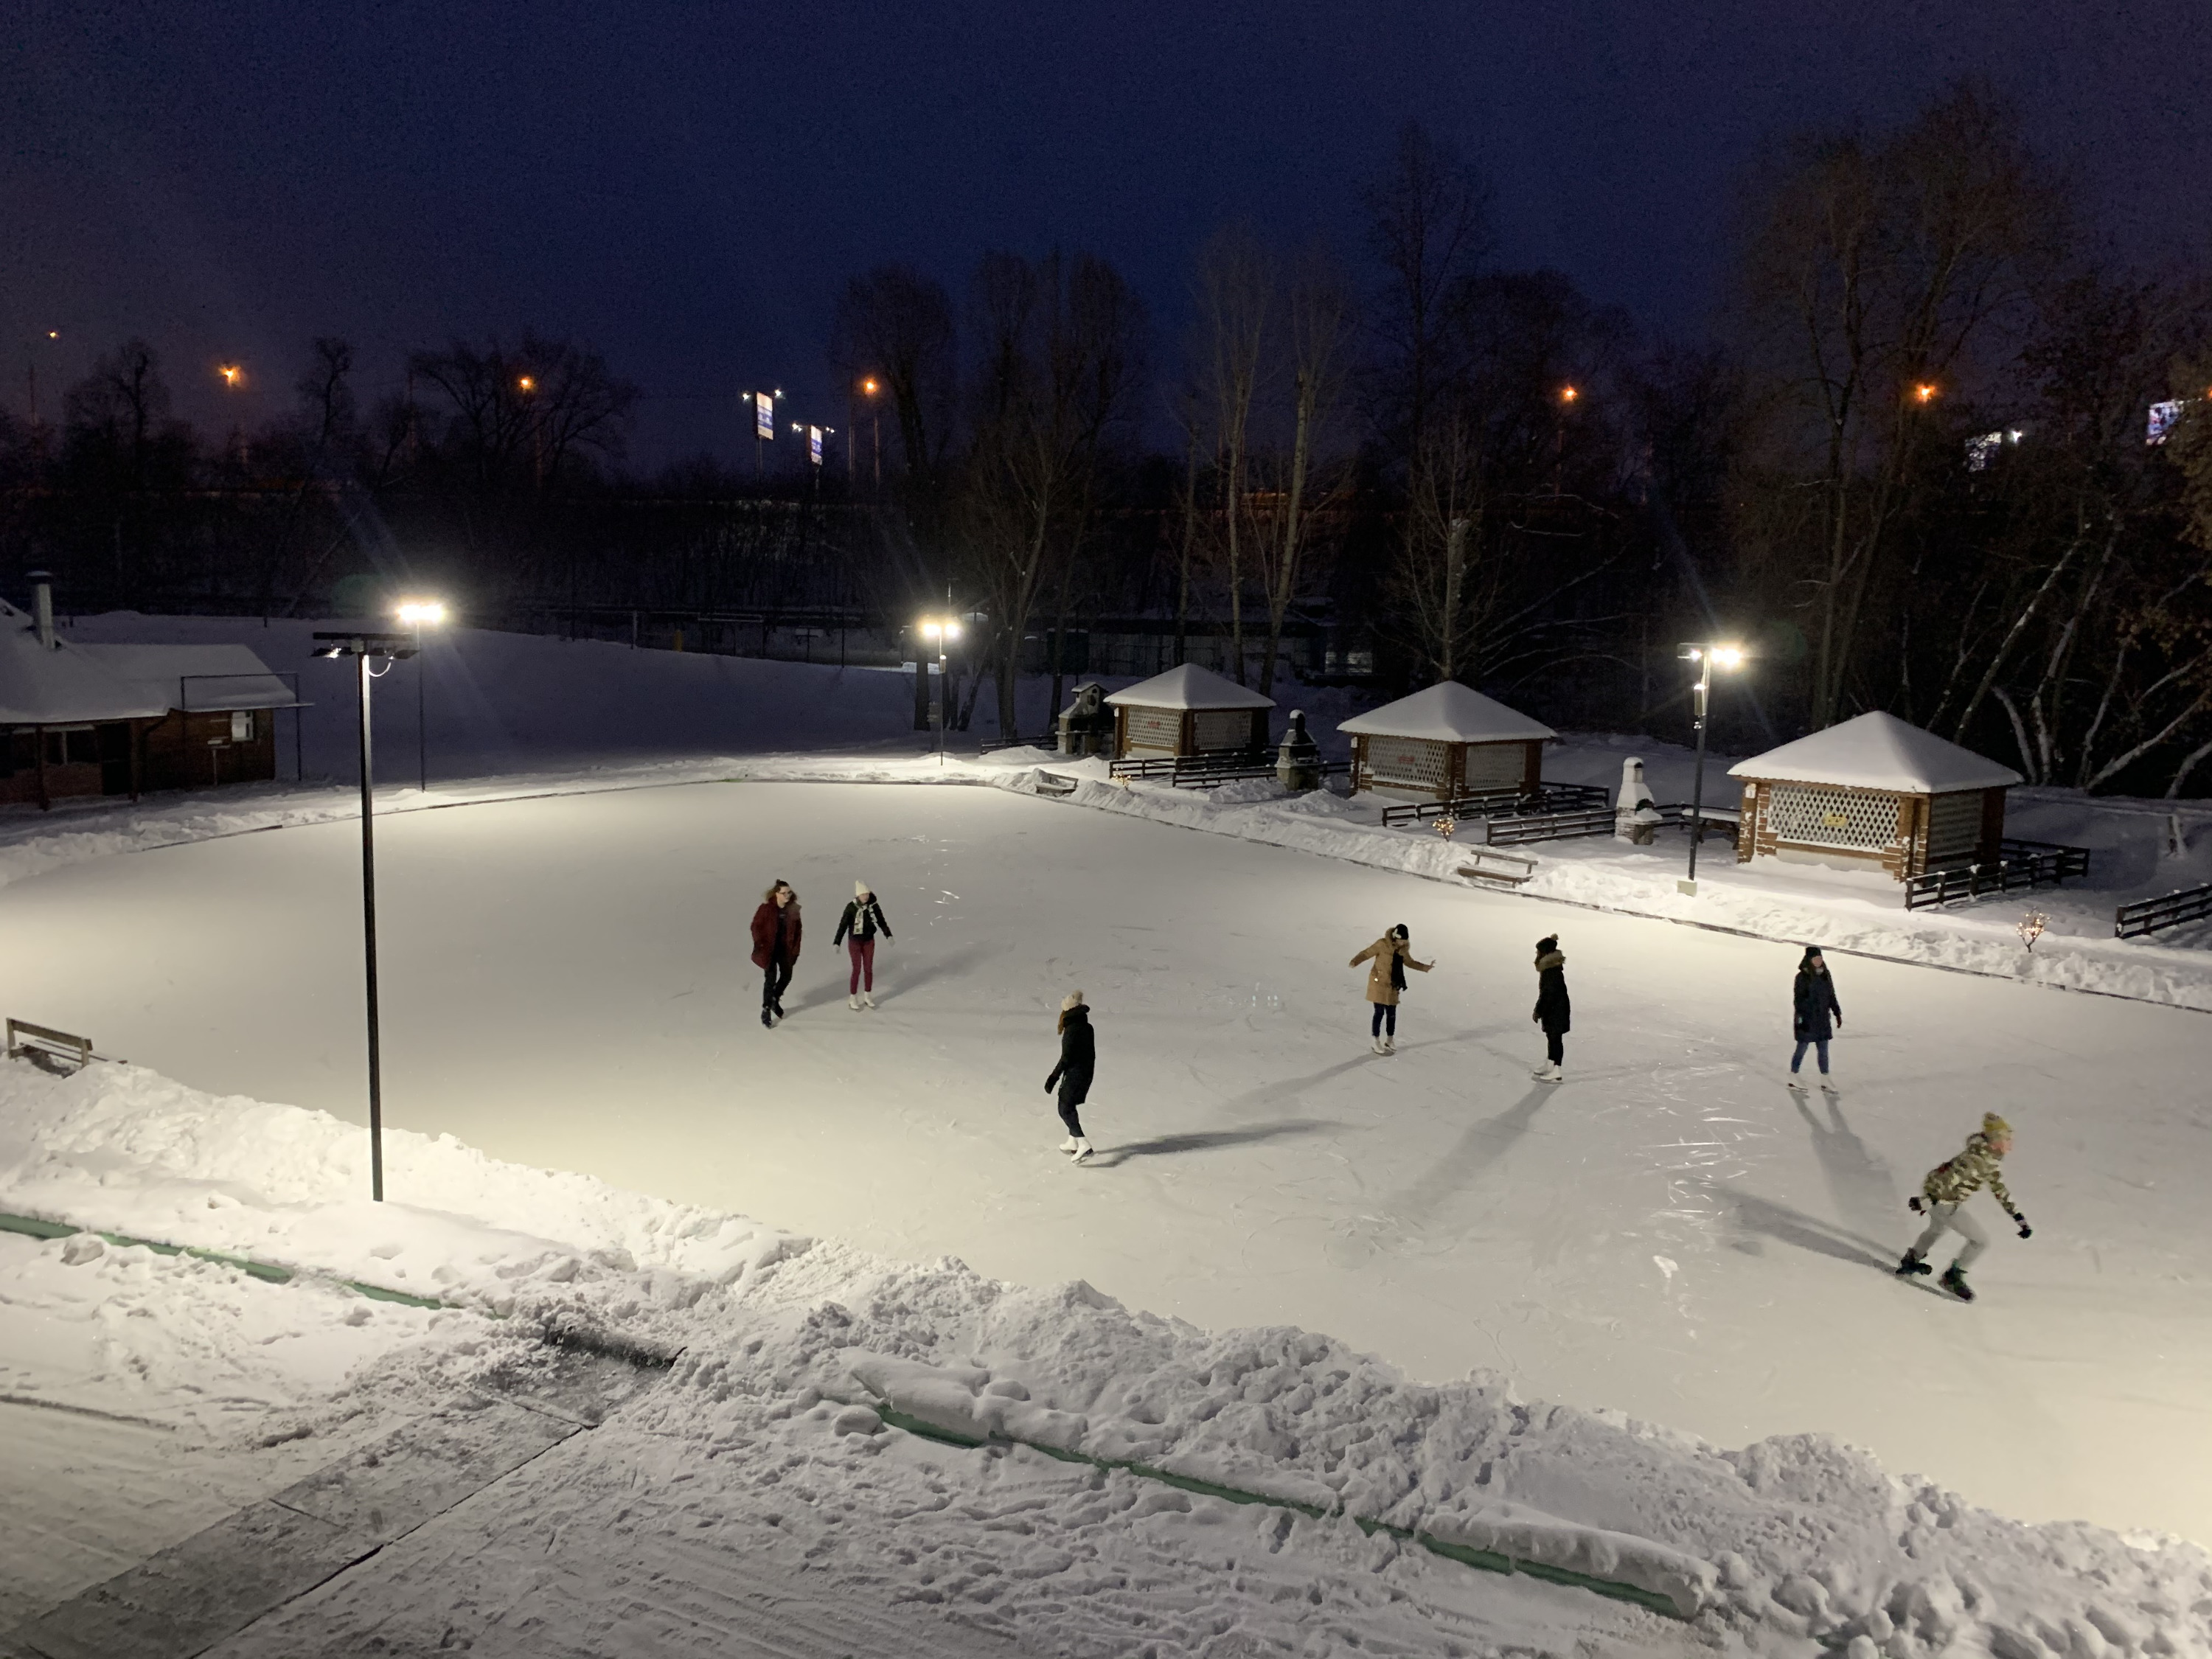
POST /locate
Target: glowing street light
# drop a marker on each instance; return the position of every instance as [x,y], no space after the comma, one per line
[1925,391]
[233,374]
[1708,657]
[419,614]
[367,650]
[944,630]
[1568,394]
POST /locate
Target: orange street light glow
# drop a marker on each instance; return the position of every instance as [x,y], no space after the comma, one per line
[1925,391]
[231,373]
[1568,394]
[868,386]
[527,384]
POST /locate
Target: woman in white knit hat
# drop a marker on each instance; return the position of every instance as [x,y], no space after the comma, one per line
[1079,1060]
[856,931]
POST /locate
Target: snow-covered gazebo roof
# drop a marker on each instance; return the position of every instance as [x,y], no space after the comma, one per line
[1878,752]
[1449,712]
[1190,687]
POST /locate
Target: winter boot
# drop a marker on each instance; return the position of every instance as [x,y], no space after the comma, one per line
[1082,1149]
[1909,1264]
[867,998]
[1955,1282]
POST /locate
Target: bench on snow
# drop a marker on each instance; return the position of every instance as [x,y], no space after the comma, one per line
[37,1042]
[1491,864]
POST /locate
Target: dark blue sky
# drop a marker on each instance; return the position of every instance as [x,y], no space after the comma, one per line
[686,184]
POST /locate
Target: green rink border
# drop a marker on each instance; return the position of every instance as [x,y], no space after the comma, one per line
[1465,1554]
[267,1272]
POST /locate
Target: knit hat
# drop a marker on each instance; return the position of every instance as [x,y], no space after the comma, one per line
[1071,1002]
[1549,942]
[1399,931]
[1812,955]
[1993,1126]
[860,891]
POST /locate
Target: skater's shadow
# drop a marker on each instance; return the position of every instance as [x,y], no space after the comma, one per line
[950,965]
[1767,1220]
[1862,1186]
[1483,1145]
[1274,1094]
[1207,1140]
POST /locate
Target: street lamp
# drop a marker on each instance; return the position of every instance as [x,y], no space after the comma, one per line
[1708,657]
[419,614]
[944,630]
[367,650]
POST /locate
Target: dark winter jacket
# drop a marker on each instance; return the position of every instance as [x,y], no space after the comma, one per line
[775,934]
[1551,1006]
[1079,1058]
[863,920]
[1813,998]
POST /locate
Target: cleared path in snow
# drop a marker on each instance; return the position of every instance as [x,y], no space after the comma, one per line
[1670,1233]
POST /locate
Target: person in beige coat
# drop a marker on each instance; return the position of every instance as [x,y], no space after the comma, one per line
[1391,955]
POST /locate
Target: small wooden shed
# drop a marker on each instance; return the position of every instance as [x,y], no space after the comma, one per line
[1189,711]
[1446,743]
[1876,792]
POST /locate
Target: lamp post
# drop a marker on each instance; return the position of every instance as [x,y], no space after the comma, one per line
[1707,656]
[419,614]
[944,630]
[367,650]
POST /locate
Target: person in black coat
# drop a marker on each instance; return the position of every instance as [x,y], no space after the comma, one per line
[1812,1004]
[1079,1060]
[856,931]
[1552,1008]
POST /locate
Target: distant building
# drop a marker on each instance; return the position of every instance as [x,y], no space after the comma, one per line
[1189,711]
[120,720]
[1877,791]
[1444,744]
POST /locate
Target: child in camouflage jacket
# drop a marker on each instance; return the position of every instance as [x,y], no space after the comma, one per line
[1944,1193]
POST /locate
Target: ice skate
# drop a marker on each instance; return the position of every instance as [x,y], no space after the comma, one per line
[1828,1085]
[1082,1150]
[1548,1072]
[867,1000]
[853,1003]
[1909,1264]
[1796,1083]
[1955,1282]
[1389,1045]
[1068,1145]
[768,1019]
[1375,1043]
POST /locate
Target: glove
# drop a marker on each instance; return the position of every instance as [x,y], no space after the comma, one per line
[2026,1231]
[1914,1205]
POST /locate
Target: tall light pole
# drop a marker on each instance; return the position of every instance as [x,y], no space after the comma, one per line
[1707,656]
[871,388]
[419,614]
[367,650]
[944,630]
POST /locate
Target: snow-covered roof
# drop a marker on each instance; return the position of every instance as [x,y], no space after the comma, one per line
[1190,687]
[75,684]
[199,678]
[1449,712]
[1878,752]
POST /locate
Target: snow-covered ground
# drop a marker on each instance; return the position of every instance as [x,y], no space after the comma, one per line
[1670,1237]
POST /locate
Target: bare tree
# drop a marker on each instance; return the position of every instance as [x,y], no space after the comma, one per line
[897,324]
[1236,295]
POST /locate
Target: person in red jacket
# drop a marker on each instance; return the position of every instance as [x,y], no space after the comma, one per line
[776,929]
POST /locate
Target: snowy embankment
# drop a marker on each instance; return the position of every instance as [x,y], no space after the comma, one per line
[792,1354]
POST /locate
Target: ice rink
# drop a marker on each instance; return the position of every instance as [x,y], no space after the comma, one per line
[1670,1234]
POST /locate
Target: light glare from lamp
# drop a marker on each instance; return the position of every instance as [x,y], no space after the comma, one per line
[422,613]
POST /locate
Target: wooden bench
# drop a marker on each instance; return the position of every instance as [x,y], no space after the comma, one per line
[25,1038]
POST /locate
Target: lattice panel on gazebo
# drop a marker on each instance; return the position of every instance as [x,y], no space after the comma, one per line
[1155,728]
[1809,815]
[1407,762]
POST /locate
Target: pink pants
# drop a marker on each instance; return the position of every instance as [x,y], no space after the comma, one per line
[863,965]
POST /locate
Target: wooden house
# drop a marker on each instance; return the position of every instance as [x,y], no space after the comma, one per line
[1446,744]
[1189,711]
[1875,793]
[118,720]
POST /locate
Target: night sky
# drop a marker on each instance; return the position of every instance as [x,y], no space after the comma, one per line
[685,185]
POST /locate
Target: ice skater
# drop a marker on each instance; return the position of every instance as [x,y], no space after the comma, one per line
[1945,1193]
[1392,955]
[1552,1008]
[777,930]
[856,931]
[1813,1001]
[1079,1060]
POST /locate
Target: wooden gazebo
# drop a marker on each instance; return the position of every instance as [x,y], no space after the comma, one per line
[1189,711]
[1875,793]
[1444,744]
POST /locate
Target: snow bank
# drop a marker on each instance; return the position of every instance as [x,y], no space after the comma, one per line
[1788,1543]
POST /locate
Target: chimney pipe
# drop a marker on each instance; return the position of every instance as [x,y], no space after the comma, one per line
[42,607]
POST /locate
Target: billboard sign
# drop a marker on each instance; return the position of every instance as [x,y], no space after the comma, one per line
[814,444]
[2163,418]
[763,415]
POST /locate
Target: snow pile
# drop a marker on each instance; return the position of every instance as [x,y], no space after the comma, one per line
[789,1347]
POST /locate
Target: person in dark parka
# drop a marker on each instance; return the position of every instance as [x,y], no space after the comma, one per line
[1079,1060]
[856,931]
[1812,1004]
[1552,1009]
[777,931]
